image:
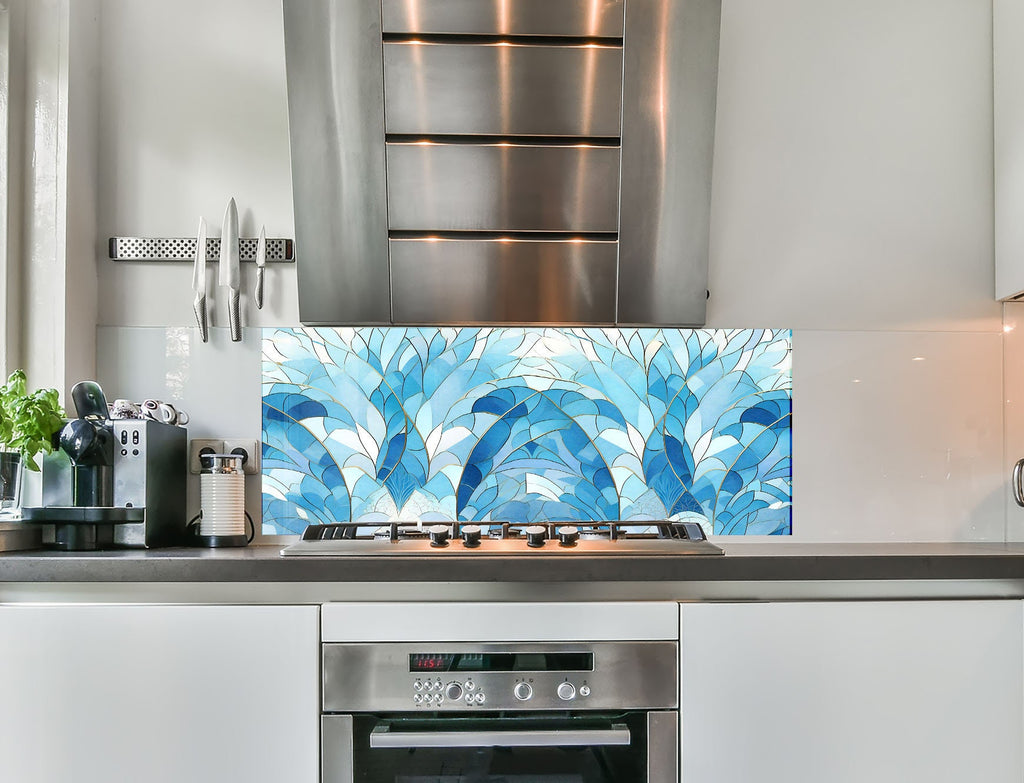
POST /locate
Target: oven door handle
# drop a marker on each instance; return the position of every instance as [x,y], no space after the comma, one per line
[383,737]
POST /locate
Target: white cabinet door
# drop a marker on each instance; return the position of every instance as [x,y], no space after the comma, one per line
[881,692]
[161,694]
[1008,118]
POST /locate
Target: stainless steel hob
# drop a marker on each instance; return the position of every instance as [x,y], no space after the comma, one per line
[475,539]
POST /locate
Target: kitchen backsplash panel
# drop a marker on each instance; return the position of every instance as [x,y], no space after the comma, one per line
[527,424]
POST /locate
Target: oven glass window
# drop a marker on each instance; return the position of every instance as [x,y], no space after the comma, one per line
[482,759]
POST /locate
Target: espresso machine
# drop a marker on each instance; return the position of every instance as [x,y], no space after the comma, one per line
[110,483]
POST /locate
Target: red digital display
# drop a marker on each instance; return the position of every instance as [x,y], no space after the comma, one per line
[430,662]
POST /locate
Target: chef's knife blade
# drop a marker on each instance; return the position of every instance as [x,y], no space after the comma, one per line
[261,262]
[199,281]
[229,274]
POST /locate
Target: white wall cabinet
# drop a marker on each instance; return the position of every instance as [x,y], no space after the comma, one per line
[162,694]
[1008,133]
[900,692]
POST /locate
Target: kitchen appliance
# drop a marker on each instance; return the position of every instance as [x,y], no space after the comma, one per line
[502,161]
[222,498]
[112,482]
[483,539]
[508,711]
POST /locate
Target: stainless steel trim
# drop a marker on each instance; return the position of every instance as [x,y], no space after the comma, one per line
[335,79]
[663,747]
[375,677]
[670,71]
[383,737]
[336,749]
[502,187]
[514,281]
[595,18]
[1017,484]
[491,89]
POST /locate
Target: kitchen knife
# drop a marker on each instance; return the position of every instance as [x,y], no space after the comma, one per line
[199,281]
[229,275]
[261,262]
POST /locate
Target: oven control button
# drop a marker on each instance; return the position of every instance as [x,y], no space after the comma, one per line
[417,699]
[522,691]
[470,685]
[453,692]
[566,691]
[469,698]
[568,535]
[438,698]
[438,535]
[584,690]
[417,686]
[479,698]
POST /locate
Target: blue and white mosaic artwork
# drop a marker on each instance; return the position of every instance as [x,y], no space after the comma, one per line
[527,424]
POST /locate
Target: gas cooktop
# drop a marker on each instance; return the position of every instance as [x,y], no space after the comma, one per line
[549,539]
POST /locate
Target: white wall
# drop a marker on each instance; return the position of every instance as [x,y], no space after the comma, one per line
[852,202]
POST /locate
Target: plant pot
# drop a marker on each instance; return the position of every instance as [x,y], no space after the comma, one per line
[11,469]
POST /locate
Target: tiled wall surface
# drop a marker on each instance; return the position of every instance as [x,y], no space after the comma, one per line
[522,425]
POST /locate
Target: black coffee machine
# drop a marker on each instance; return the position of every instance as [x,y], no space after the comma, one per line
[112,482]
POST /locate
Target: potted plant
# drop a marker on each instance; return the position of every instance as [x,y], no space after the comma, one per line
[28,423]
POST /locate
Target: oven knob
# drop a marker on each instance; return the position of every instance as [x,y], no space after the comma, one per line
[417,686]
[584,690]
[438,535]
[568,535]
[471,536]
[470,685]
[522,691]
[536,535]
[453,692]
[417,699]
[566,691]
[479,698]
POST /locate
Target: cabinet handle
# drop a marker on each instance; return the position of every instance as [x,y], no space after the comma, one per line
[1018,488]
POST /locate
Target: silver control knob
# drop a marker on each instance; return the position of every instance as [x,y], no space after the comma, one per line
[417,686]
[566,691]
[479,698]
[453,692]
[584,690]
[470,685]
[417,699]
[522,691]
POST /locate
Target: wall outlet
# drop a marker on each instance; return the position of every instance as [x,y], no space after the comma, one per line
[249,448]
[198,446]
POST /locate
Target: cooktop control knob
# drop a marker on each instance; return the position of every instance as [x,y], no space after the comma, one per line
[471,535]
[536,535]
[568,535]
[522,691]
[566,691]
[438,535]
[453,692]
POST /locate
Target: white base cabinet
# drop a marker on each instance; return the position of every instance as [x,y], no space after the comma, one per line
[161,694]
[858,692]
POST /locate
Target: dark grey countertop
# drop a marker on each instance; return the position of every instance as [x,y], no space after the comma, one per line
[743,562]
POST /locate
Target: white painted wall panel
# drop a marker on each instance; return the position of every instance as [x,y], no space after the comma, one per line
[851,692]
[162,694]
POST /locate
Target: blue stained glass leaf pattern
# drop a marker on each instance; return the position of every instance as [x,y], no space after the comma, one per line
[527,424]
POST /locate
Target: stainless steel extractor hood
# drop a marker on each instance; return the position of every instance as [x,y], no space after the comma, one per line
[502,161]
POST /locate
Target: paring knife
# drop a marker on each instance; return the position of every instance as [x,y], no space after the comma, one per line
[199,281]
[229,275]
[261,262]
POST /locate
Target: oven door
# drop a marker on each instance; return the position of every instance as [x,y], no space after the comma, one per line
[631,747]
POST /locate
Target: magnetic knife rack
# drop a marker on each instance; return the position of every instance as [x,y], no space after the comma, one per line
[279,251]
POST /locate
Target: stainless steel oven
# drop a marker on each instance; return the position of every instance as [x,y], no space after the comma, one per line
[519,712]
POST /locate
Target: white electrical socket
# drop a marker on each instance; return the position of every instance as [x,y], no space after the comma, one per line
[197,446]
[250,448]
